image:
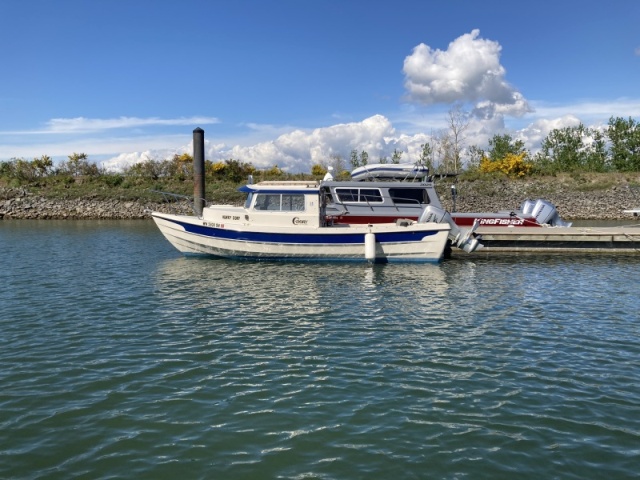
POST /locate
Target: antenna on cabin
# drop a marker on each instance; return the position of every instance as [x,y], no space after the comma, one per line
[454,194]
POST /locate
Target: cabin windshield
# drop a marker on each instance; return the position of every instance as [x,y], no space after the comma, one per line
[279,202]
[409,196]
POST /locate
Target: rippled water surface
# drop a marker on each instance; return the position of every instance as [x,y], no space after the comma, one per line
[122,359]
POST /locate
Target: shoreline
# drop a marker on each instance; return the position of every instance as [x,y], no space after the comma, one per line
[574,202]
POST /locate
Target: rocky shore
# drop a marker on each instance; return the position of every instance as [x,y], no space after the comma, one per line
[574,202]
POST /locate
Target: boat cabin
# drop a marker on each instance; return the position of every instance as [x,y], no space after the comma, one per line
[360,202]
[283,204]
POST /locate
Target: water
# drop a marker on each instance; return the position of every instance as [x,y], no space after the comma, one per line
[121,359]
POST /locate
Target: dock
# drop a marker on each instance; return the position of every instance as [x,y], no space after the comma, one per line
[623,239]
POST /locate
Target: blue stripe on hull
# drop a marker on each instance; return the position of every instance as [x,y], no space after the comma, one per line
[307,239]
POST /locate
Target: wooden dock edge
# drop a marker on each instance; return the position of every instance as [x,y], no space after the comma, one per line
[560,239]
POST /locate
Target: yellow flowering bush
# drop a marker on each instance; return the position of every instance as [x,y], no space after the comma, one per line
[274,171]
[218,167]
[513,165]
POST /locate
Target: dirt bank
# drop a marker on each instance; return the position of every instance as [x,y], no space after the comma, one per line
[588,198]
[581,199]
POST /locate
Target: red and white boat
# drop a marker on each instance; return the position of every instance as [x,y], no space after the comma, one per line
[382,193]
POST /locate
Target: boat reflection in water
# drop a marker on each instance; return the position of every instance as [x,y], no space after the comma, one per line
[219,288]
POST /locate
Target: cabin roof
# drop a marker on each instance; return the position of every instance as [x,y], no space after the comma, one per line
[286,187]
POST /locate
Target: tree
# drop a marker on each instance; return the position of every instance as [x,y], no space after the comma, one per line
[23,170]
[274,171]
[458,123]
[397,155]
[237,171]
[147,168]
[426,156]
[444,152]
[355,160]
[339,165]
[502,145]
[572,149]
[318,170]
[364,158]
[624,136]
[595,151]
[78,165]
[476,155]
[43,165]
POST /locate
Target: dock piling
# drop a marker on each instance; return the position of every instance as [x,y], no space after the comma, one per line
[198,171]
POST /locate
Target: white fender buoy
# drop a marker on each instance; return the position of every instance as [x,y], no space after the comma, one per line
[370,246]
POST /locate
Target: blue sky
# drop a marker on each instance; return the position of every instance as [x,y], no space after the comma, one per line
[292,82]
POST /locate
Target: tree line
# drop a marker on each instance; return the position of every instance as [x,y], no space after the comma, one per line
[615,148]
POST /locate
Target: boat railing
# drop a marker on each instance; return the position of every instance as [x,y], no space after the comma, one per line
[177,203]
[395,204]
[405,201]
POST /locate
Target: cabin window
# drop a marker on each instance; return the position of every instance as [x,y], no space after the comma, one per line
[276,202]
[268,201]
[292,203]
[347,194]
[409,196]
[370,195]
[361,195]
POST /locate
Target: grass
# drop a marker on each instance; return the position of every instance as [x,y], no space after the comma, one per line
[109,187]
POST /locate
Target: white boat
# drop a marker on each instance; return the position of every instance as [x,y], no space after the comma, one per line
[634,211]
[288,221]
[384,193]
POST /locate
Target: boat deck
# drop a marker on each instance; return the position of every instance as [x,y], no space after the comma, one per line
[623,239]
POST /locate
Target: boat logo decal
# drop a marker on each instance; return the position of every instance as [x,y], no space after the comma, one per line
[299,221]
[501,221]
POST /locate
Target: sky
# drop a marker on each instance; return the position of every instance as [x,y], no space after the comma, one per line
[294,82]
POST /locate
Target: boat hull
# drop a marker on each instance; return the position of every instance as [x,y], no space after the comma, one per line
[411,243]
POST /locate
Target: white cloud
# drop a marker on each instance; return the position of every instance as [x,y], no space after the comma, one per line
[535,133]
[81,124]
[590,111]
[468,71]
[298,150]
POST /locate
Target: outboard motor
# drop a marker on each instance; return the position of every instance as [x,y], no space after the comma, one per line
[544,212]
[463,238]
[527,206]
